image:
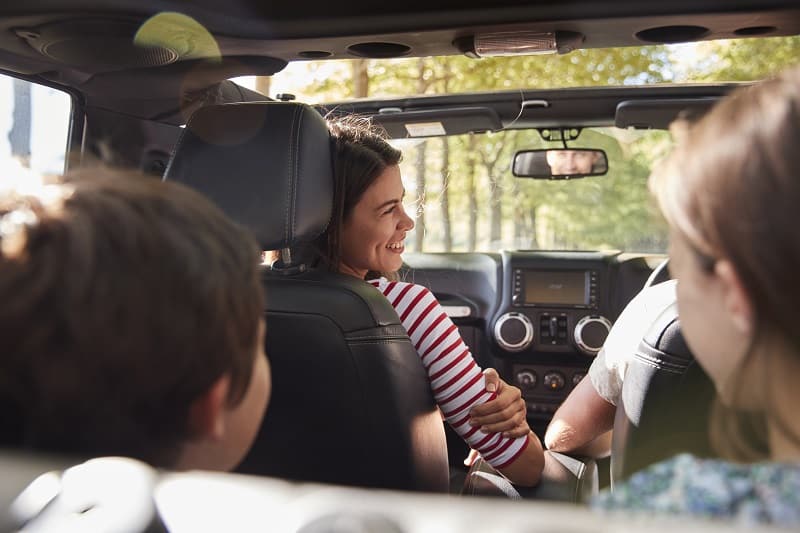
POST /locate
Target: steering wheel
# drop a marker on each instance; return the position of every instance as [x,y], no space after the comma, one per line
[659,274]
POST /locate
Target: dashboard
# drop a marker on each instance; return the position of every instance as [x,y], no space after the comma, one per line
[539,317]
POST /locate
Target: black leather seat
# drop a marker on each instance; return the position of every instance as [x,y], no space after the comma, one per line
[666,399]
[351,403]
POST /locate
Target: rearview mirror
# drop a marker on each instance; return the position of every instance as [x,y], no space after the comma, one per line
[559,163]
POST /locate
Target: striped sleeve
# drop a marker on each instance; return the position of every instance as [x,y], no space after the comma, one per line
[456,380]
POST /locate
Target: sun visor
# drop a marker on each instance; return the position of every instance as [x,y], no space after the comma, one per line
[659,113]
[401,124]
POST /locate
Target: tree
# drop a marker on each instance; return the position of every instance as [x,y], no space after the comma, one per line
[444,196]
[19,136]
[419,234]
[472,194]
[360,69]
[744,59]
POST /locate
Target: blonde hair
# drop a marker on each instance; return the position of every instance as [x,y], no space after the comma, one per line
[731,188]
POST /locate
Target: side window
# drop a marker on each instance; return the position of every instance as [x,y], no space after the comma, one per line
[34,126]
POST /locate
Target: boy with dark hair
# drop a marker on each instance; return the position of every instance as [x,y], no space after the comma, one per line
[130,323]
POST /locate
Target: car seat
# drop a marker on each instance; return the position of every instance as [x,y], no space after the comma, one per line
[351,402]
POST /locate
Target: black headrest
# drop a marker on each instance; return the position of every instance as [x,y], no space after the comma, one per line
[665,338]
[268,165]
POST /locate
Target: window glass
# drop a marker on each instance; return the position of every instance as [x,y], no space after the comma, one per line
[465,198]
[34,126]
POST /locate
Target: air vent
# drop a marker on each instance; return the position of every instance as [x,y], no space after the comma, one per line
[752,31]
[108,53]
[96,45]
[379,50]
[672,34]
[314,54]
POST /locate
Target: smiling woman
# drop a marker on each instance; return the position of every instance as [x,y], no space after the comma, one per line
[368,212]
[365,239]
[373,235]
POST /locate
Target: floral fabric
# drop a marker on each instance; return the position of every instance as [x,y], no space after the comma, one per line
[767,493]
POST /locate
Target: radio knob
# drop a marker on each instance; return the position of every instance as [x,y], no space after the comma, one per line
[514,332]
[590,334]
[554,381]
[526,379]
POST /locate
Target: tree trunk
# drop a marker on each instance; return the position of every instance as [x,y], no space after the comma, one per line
[263,84]
[490,156]
[534,244]
[419,235]
[19,136]
[360,78]
[472,196]
[419,232]
[496,212]
[519,225]
[445,196]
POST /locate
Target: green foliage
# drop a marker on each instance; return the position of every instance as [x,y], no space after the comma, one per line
[489,208]
[745,59]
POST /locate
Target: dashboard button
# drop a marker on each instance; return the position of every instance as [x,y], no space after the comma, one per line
[554,381]
[526,379]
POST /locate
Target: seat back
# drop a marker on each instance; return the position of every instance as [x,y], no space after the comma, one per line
[351,402]
[665,404]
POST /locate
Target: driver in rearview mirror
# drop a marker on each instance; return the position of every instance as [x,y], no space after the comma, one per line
[573,162]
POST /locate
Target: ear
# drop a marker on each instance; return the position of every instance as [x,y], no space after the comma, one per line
[207,412]
[736,300]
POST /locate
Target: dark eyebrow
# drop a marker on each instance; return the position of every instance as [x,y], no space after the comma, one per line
[391,202]
[387,204]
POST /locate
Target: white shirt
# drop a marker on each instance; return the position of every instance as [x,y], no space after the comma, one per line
[608,369]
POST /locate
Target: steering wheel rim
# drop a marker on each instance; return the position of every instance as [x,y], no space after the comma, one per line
[659,274]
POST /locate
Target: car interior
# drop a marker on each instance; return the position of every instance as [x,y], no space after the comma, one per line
[534,265]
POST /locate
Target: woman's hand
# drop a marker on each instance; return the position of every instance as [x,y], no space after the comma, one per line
[506,413]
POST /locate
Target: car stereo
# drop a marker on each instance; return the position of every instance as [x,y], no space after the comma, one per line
[555,288]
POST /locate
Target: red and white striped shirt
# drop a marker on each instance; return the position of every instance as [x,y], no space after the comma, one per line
[456,380]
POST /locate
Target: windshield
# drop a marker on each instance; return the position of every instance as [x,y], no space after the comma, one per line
[461,187]
[709,61]
[465,198]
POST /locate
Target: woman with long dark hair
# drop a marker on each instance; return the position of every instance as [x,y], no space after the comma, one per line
[365,239]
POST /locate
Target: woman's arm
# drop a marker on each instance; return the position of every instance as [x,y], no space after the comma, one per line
[457,382]
[507,413]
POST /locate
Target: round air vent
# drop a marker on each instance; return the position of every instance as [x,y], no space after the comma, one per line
[96,44]
[672,34]
[590,334]
[108,53]
[754,30]
[379,50]
[314,54]
[513,332]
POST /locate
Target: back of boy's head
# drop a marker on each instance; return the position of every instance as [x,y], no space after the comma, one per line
[122,299]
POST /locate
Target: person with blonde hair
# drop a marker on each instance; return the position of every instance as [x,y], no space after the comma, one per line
[730,192]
